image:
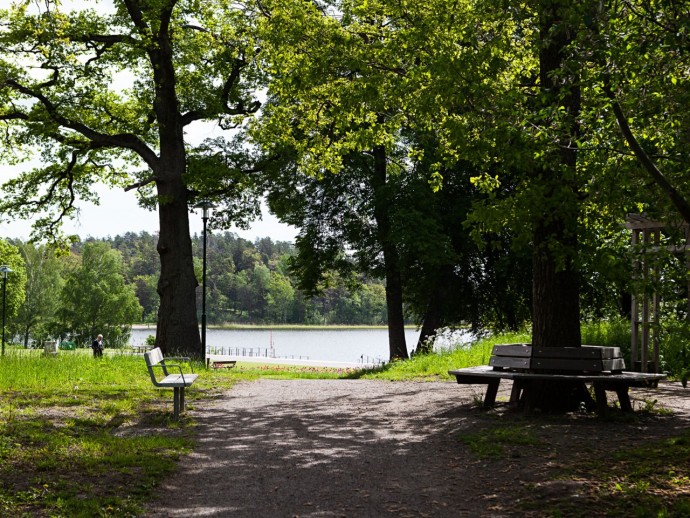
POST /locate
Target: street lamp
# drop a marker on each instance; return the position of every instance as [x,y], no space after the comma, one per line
[5,270]
[205,206]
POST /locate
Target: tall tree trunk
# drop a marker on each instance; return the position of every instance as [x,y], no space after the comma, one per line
[433,317]
[394,299]
[556,306]
[177,330]
[431,323]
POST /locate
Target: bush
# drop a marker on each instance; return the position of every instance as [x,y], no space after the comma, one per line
[673,344]
[608,333]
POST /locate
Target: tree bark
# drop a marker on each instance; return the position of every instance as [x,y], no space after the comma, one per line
[394,299]
[555,292]
[434,315]
[432,322]
[556,306]
[177,329]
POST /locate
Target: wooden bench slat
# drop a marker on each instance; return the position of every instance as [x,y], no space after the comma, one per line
[510,362]
[520,350]
[575,364]
[586,351]
[178,380]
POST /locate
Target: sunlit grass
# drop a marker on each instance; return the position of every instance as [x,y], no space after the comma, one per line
[435,366]
[85,437]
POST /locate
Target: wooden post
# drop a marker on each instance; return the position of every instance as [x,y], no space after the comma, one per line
[634,310]
[655,306]
[645,303]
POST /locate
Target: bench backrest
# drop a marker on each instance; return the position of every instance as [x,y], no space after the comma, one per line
[588,358]
[155,357]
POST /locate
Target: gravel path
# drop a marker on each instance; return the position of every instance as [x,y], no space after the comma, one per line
[356,448]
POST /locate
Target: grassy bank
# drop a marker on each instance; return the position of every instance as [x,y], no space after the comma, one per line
[433,367]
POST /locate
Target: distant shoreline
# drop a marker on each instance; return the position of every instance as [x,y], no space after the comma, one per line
[286,327]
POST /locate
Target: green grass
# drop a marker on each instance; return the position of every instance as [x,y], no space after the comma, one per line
[496,442]
[85,437]
[432,367]
[652,479]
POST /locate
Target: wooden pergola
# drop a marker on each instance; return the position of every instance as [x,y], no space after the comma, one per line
[644,315]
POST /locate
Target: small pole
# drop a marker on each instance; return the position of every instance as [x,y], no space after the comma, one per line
[203,290]
[204,205]
[5,270]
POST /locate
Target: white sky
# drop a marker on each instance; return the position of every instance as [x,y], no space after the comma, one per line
[119,213]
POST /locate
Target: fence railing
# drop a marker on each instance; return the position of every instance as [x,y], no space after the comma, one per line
[371,360]
[260,352]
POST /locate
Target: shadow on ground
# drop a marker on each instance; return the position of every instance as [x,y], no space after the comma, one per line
[372,448]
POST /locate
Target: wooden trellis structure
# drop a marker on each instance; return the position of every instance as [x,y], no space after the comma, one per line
[644,315]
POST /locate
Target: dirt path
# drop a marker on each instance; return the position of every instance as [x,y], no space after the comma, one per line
[356,448]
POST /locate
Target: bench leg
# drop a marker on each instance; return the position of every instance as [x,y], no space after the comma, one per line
[624,398]
[491,391]
[176,403]
[600,395]
[181,399]
[515,392]
[529,395]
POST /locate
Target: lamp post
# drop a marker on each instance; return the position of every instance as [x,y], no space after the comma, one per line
[205,206]
[5,270]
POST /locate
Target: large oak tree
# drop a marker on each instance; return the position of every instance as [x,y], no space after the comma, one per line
[109,95]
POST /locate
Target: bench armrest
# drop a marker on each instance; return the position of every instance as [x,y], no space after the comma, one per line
[179,367]
[185,359]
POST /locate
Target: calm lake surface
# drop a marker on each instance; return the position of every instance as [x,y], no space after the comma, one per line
[348,345]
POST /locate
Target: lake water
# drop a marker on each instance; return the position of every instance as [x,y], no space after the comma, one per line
[349,345]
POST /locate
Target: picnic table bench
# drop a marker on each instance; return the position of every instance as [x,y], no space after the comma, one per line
[177,381]
[220,362]
[529,367]
[140,348]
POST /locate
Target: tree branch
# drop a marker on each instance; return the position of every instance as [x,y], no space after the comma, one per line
[146,181]
[122,140]
[228,85]
[676,198]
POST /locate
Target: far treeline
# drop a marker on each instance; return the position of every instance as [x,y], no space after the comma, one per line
[479,157]
[105,285]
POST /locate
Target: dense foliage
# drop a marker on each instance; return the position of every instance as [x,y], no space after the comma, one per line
[252,283]
[477,157]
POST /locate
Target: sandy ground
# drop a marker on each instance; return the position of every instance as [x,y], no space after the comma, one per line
[356,448]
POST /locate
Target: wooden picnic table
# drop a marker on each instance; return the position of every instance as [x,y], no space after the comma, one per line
[525,383]
[530,367]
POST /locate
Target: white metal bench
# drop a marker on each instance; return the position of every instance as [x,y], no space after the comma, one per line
[178,382]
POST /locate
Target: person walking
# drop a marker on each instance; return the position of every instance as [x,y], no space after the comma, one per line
[97,347]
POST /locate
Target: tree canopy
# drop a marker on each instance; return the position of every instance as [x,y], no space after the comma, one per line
[95,299]
[545,123]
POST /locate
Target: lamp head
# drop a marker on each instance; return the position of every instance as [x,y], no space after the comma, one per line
[204,205]
[4,269]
